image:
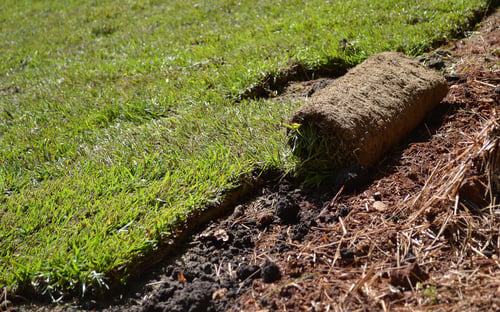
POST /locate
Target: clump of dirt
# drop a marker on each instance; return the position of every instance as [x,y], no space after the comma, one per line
[287,209]
[270,272]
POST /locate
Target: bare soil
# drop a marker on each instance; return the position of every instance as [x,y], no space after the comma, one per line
[420,231]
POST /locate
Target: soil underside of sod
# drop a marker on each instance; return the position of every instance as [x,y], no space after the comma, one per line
[415,233]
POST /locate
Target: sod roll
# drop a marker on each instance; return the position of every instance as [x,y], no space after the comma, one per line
[362,114]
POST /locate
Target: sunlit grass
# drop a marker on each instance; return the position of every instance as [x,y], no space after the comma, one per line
[119,118]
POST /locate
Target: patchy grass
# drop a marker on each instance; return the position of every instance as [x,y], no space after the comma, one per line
[119,118]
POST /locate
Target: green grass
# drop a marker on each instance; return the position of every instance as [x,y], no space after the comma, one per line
[119,118]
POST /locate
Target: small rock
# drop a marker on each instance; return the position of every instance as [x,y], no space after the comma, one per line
[221,235]
[239,211]
[497,90]
[270,272]
[216,235]
[379,206]
[219,293]
[488,253]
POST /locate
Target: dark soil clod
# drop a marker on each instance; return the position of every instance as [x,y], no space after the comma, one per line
[347,254]
[248,272]
[351,178]
[287,209]
[299,232]
[192,297]
[270,272]
[265,219]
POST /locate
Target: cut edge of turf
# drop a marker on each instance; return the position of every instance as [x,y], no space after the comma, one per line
[248,185]
[274,84]
[113,281]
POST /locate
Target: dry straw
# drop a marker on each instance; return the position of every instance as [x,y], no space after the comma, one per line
[403,262]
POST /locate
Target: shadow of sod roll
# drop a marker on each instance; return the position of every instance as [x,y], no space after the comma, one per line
[361,115]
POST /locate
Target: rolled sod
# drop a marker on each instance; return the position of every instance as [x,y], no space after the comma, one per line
[362,114]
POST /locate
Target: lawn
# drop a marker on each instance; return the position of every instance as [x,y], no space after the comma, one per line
[120,118]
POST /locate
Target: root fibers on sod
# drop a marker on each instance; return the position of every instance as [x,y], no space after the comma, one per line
[361,115]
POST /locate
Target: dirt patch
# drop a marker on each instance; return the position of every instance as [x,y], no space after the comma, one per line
[221,263]
[362,114]
[419,233]
[275,84]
